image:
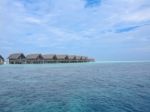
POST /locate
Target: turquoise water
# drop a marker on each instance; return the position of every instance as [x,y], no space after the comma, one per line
[92,87]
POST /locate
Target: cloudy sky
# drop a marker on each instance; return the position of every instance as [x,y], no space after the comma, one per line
[103,29]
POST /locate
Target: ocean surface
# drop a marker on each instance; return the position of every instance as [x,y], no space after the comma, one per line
[90,87]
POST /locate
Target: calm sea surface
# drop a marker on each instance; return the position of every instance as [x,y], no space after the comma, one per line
[92,87]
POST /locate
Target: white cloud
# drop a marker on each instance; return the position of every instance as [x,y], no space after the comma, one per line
[63,22]
[138,16]
[33,20]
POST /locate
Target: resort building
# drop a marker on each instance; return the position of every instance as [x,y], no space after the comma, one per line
[71,58]
[1,60]
[49,58]
[78,59]
[34,59]
[61,58]
[91,60]
[84,59]
[17,58]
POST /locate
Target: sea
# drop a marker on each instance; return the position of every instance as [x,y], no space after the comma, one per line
[82,87]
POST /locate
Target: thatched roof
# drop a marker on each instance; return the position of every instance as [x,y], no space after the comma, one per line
[34,56]
[63,57]
[49,56]
[78,57]
[1,58]
[71,57]
[91,59]
[16,56]
[84,57]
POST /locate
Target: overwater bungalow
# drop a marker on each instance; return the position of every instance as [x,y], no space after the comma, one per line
[1,60]
[49,58]
[71,58]
[83,58]
[78,59]
[34,59]
[61,58]
[91,60]
[16,58]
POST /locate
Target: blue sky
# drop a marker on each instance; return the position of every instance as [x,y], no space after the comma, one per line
[103,29]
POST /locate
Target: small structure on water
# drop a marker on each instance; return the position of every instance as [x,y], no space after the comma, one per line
[49,58]
[72,58]
[34,59]
[84,59]
[91,60]
[61,58]
[1,60]
[78,59]
[17,58]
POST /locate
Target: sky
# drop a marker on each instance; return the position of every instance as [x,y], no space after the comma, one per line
[107,30]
